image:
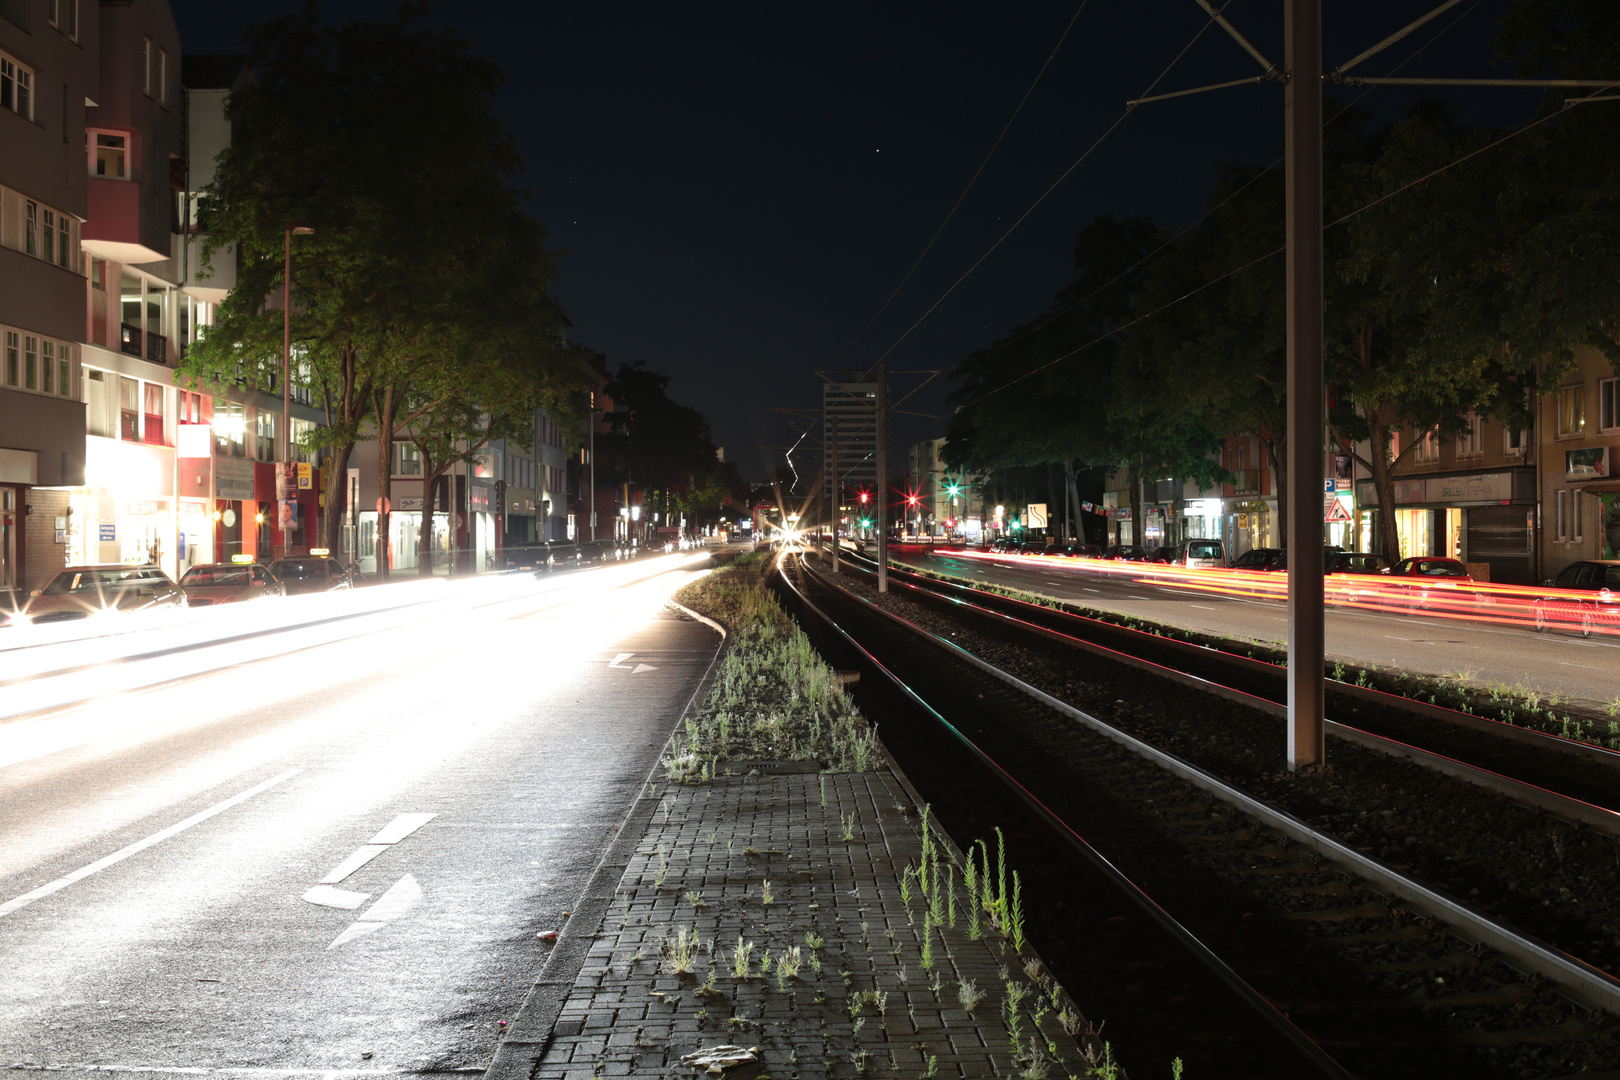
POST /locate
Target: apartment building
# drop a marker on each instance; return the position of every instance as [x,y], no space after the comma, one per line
[1580,444]
[49,75]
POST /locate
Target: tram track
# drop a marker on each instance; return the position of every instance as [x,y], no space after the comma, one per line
[1394,975]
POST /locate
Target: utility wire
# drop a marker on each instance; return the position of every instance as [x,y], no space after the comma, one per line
[1042,324]
[971,181]
[1278,251]
[1052,187]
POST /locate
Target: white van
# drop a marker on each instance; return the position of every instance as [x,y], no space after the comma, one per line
[1201,554]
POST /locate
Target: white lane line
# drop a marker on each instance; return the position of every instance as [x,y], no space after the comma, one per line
[401,827]
[353,863]
[327,896]
[141,845]
[1133,596]
[1088,590]
[1588,667]
[1203,607]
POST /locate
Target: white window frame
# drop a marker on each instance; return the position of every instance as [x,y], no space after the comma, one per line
[1561,515]
[54,13]
[93,140]
[1471,443]
[1575,507]
[1608,405]
[1427,450]
[1577,429]
[19,79]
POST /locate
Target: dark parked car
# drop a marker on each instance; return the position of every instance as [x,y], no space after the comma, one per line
[1353,562]
[1125,552]
[1162,554]
[1261,558]
[228,583]
[311,575]
[1082,551]
[1590,603]
[1430,566]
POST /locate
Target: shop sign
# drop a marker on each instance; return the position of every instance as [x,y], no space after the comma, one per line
[478,497]
[1586,464]
[233,479]
[141,508]
[193,508]
[1411,491]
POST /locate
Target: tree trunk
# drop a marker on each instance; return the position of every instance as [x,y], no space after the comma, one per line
[387,413]
[1278,451]
[1383,479]
[1137,530]
[335,481]
[424,532]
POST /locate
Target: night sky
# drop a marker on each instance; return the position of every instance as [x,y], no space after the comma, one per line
[739,187]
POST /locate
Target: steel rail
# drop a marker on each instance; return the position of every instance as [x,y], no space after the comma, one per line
[1564,806]
[1581,982]
[1497,728]
[1252,998]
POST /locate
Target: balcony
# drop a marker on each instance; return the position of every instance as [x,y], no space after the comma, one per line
[129,343]
[113,230]
[1246,481]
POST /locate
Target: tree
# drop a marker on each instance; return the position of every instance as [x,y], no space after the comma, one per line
[370,134]
[663,448]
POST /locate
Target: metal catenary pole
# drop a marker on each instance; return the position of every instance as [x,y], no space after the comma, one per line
[882,493]
[1302,35]
[837,492]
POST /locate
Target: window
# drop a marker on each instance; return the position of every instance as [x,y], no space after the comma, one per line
[146,66]
[1576,501]
[56,13]
[129,418]
[31,227]
[152,394]
[1514,440]
[50,235]
[16,87]
[112,156]
[407,459]
[30,363]
[13,359]
[1608,405]
[1571,412]
[1561,515]
[1428,447]
[163,76]
[264,430]
[64,369]
[1471,442]
[72,7]
[101,413]
[47,367]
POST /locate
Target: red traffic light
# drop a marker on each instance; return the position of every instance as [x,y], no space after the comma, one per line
[864,496]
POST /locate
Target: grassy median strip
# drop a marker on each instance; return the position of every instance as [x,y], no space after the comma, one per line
[774,699]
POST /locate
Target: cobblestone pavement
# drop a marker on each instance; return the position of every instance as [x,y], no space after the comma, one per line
[802,867]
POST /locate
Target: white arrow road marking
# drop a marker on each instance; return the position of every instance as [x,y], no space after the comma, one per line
[327,896]
[618,661]
[392,833]
[353,863]
[140,845]
[401,827]
[639,668]
[393,904]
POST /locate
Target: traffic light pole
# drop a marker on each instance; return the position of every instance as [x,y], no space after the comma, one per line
[883,477]
[1302,60]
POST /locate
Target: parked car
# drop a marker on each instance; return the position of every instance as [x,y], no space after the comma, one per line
[1082,551]
[1201,553]
[596,551]
[1428,578]
[310,575]
[1430,566]
[1353,562]
[1261,558]
[227,583]
[1591,600]
[78,592]
[1164,553]
[1124,552]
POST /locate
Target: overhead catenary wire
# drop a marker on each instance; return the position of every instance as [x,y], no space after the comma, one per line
[971,181]
[1041,324]
[1050,188]
[1278,251]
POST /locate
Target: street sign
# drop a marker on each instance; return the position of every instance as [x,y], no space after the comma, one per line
[1035,516]
[1330,484]
[1337,511]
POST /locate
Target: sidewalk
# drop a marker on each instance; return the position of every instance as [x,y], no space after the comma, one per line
[808,882]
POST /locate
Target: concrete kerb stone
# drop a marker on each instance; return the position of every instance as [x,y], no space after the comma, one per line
[519,1051]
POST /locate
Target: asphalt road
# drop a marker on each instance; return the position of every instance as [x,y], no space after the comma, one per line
[333,860]
[1583,670]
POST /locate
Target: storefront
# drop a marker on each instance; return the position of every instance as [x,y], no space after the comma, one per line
[125,512]
[1248,523]
[482,540]
[1483,518]
[519,516]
